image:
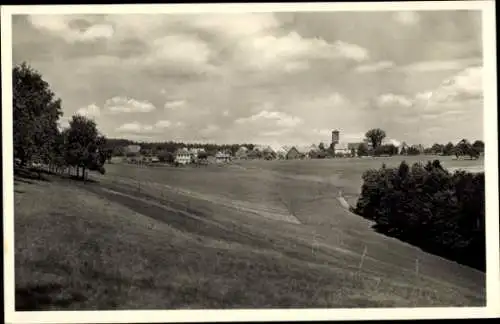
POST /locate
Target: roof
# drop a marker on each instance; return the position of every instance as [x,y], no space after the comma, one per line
[182,151]
[263,148]
[304,149]
[341,146]
[242,149]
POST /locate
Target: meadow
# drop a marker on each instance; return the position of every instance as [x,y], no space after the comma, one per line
[252,234]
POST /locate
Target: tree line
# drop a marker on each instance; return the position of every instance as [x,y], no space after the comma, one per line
[37,136]
[427,206]
[376,136]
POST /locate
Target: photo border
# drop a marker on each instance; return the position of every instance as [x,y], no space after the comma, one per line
[491,163]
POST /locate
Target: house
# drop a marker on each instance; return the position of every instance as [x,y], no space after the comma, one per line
[281,152]
[268,153]
[132,149]
[293,153]
[223,157]
[241,153]
[195,152]
[307,150]
[183,156]
[342,149]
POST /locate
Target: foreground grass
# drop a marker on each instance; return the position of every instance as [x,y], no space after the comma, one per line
[78,247]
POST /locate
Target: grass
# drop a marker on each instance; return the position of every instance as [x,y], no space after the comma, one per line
[109,245]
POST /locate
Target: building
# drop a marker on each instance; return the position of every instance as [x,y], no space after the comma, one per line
[268,153]
[223,157]
[342,149]
[132,149]
[293,153]
[183,156]
[241,153]
[281,152]
[335,136]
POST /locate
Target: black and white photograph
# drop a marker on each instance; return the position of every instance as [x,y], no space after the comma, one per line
[197,158]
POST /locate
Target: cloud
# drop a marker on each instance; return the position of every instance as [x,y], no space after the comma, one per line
[128,105]
[374,67]
[464,85]
[318,70]
[393,100]
[407,18]
[430,66]
[292,52]
[63,122]
[163,123]
[60,26]
[174,104]
[135,128]
[91,111]
[279,119]
[177,51]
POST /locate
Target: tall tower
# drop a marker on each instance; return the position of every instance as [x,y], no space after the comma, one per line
[335,136]
[335,139]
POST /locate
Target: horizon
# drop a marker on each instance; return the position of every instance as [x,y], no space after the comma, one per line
[264,78]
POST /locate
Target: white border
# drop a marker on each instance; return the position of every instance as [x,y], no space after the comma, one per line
[491,164]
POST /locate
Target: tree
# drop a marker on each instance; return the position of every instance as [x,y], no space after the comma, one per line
[389,149]
[465,148]
[413,150]
[375,136]
[437,148]
[321,147]
[448,149]
[166,157]
[362,149]
[479,146]
[83,145]
[36,111]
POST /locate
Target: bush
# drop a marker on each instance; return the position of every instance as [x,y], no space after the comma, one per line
[441,212]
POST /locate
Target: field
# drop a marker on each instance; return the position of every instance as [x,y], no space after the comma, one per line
[254,234]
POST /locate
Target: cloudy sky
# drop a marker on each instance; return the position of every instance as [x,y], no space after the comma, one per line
[269,78]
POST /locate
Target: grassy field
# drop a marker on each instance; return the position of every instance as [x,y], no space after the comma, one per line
[254,234]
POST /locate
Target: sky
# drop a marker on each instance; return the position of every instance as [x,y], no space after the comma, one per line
[282,78]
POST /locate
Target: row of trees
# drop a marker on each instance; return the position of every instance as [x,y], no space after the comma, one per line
[37,137]
[376,136]
[427,206]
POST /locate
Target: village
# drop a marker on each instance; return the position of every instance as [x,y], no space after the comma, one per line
[135,154]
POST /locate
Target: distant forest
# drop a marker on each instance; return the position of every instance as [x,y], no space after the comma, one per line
[117,146]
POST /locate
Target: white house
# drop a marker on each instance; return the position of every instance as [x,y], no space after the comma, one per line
[342,148]
[183,156]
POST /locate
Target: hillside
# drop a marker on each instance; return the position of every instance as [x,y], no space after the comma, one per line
[113,245]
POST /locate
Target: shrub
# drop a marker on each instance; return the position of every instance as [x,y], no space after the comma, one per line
[439,211]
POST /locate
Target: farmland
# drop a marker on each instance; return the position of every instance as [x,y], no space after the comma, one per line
[250,234]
